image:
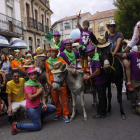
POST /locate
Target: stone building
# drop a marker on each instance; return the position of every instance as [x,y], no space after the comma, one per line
[67,24]
[36,18]
[99,21]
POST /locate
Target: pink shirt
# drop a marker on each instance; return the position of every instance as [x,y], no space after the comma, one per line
[34,103]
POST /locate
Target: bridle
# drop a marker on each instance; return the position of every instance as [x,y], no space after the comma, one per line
[62,82]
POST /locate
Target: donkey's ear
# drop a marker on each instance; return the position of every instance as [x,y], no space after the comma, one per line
[106,35]
[63,67]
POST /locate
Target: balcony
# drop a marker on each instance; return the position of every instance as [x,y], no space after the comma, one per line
[38,26]
[67,27]
[8,24]
[101,28]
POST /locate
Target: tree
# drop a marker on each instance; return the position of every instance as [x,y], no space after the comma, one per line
[127,15]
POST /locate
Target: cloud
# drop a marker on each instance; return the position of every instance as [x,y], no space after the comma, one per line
[66,8]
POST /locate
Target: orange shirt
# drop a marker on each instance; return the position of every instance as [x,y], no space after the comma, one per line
[49,70]
[15,64]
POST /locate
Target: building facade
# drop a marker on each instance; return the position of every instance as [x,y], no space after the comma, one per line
[66,25]
[10,20]
[99,21]
[36,18]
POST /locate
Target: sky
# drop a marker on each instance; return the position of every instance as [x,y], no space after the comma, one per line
[66,8]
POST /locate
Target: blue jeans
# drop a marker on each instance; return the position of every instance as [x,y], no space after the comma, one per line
[35,115]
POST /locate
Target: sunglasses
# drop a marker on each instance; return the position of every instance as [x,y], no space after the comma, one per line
[17,55]
[16,76]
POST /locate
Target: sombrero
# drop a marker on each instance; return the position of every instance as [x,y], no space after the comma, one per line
[102,42]
[28,63]
[40,52]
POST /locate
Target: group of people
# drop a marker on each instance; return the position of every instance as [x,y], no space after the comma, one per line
[29,94]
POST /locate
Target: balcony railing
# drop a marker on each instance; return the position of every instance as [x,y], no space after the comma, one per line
[67,27]
[51,30]
[32,23]
[10,24]
[101,28]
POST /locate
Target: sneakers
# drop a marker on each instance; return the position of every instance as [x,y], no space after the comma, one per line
[14,128]
[98,116]
[56,117]
[66,119]
[130,87]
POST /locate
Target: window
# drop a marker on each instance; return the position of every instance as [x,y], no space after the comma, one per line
[28,14]
[38,42]
[47,22]
[30,43]
[76,24]
[67,25]
[101,24]
[61,26]
[10,2]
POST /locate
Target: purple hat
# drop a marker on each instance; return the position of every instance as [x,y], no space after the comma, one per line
[67,41]
[90,48]
[56,33]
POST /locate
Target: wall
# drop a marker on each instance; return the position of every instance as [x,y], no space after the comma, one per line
[2,7]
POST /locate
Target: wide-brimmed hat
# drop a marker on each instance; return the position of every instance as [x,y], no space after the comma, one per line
[90,48]
[75,44]
[67,41]
[57,67]
[111,22]
[102,42]
[17,51]
[56,33]
[28,63]
[40,52]
[31,70]
[54,48]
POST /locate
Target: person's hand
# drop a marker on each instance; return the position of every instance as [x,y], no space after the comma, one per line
[44,107]
[10,111]
[50,84]
[74,71]
[40,90]
[78,13]
[85,77]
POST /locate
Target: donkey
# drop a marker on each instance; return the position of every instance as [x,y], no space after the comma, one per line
[75,84]
[113,70]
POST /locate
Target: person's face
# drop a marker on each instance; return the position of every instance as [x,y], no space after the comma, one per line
[33,76]
[16,77]
[124,46]
[112,28]
[85,26]
[17,55]
[57,38]
[2,58]
[91,53]
[11,59]
[138,48]
[53,54]
[74,48]
[68,47]
[29,57]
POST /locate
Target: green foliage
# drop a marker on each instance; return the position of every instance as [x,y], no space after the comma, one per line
[127,15]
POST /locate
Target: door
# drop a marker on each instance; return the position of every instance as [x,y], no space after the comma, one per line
[28,15]
[36,19]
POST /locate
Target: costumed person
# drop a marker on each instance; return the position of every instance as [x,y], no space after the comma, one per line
[58,42]
[17,63]
[37,109]
[29,56]
[69,55]
[63,92]
[131,44]
[86,38]
[98,79]
[134,58]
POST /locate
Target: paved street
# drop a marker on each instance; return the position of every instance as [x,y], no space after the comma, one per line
[109,128]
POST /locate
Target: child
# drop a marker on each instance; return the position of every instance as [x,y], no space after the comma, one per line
[86,38]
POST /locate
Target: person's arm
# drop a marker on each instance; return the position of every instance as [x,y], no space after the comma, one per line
[121,55]
[127,49]
[10,110]
[78,24]
[119,41]
[93,38]
[44,107]
[47,78]
[3,77]
[33,96]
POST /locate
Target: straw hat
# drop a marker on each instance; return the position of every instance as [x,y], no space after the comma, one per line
[102,42]
[28,63]
[54,48]
[40,52]
[57,67]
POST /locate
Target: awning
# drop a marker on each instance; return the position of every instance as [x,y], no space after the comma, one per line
[16,43]
[4,42]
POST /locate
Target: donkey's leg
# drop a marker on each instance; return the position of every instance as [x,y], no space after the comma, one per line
[109,99]
[119,97]
[83,105]
[73,106]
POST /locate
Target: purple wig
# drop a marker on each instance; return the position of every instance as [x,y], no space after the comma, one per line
[136,31]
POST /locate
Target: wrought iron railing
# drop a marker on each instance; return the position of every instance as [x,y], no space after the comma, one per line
[51,30]
[40,27]
[46,29]
[10,24]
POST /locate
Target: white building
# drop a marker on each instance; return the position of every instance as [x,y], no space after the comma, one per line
[10,19]
[67,24]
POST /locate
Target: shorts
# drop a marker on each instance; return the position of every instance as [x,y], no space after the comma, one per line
[82,52]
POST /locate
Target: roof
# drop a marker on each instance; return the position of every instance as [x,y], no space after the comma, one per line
[103,14]
[44,2]
[71,17]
